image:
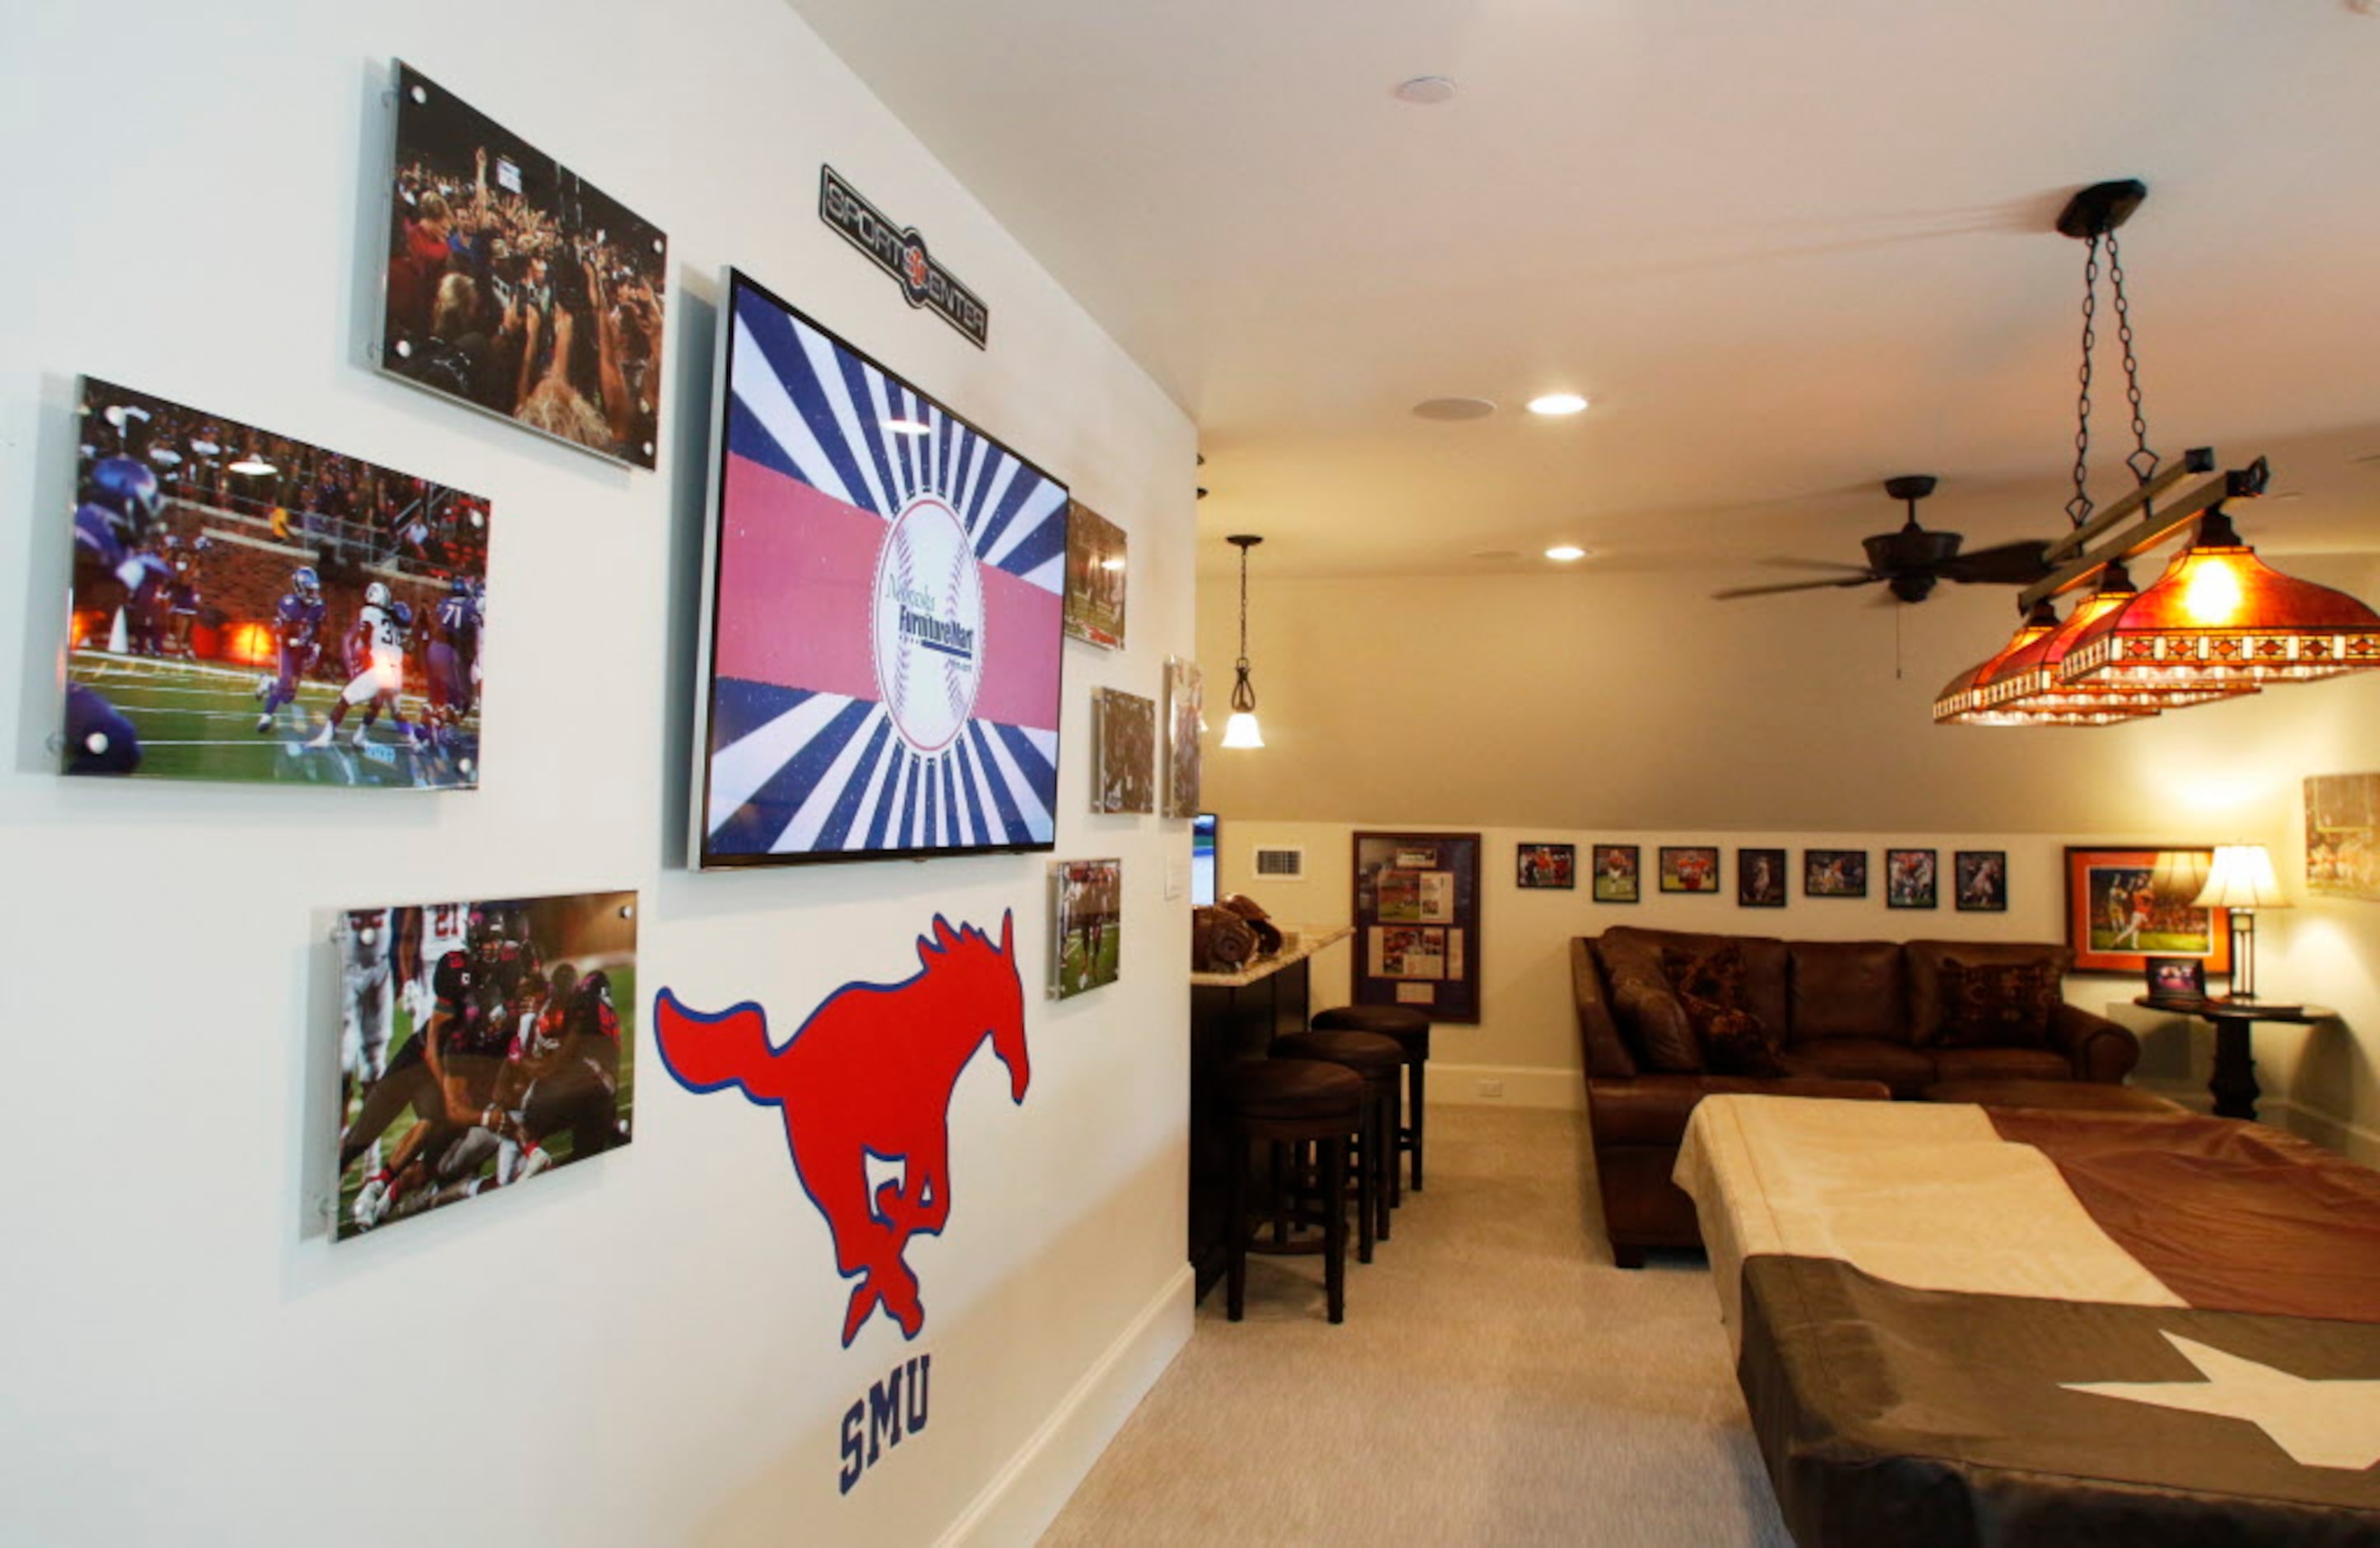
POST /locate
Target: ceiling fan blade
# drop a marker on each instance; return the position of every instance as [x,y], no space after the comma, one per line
[2019,564]
[1861,579]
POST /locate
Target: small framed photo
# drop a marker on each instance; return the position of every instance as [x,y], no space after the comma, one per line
[1123,752]
[1689,867]
[1547,866]
[2176,980]
[1619,870]
[1096,569]
[1833,873]
[1086,924]
[1979,880]
[1911,878]
[1760,878]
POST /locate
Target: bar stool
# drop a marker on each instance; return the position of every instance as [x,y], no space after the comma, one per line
[1291,1103]
[1376,1059]
[1411,1029]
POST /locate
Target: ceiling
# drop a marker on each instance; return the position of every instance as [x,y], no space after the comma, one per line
[1787,250]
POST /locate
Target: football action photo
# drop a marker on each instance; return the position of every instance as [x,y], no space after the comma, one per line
[251,608]
[479,1045]
[516,286]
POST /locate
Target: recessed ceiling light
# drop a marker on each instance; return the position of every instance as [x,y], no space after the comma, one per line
[1453,408]
[1565,552]
[1423,90]
[1557,403]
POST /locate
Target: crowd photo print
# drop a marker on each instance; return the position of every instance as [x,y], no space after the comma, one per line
[516,286]
[247,607]
[480,1043]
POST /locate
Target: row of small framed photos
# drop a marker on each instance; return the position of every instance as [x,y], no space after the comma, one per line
[1911,877]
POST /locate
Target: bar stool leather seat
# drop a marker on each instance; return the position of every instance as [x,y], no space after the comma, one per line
[1288,1104]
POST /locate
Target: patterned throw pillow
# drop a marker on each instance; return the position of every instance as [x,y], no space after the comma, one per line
[1733,1041]
[1998,1005]
[1716,974]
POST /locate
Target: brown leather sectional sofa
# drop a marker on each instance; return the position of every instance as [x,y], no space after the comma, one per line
[1854,1019]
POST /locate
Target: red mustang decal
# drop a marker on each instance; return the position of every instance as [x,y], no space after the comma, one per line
[869,1076]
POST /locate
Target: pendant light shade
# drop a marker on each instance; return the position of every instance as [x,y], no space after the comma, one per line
[2031,679]
[2221,618]
[1241,730]
[1967,700]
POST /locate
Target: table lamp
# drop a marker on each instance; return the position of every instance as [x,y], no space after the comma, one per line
[2242,881]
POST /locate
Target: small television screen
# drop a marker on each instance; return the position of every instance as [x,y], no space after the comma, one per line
[1202,860]
[884,613]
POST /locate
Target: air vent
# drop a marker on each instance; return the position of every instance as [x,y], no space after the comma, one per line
[1280,865]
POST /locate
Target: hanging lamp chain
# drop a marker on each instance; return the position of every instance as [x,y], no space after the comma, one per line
[2078,509]
[1244,692]
[2143,462]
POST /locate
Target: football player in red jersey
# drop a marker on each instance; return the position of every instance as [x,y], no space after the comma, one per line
[446,1073]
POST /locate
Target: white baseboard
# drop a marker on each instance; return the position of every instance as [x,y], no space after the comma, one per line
[1024,1497]
[1523,1085]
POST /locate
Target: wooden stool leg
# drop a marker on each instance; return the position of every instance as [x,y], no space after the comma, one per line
[1367,1171]
[1395,1150]
[1420,1114]
[1381,1159]
[1235,1296]
[1277,1156]
[1334,1228]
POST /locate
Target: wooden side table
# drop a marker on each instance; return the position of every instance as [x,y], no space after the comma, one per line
[2234,1085]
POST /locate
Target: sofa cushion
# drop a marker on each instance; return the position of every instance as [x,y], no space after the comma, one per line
[2001,1064]
[1716,974]
[1644,1004]
[1629,949]
[1898,1066]
[1925,959]
[1996,1005]
[1732,1038]
[1847,988]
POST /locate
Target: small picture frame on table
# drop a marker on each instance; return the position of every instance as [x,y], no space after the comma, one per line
[2176,980]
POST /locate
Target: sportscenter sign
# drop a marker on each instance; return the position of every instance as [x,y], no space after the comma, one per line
[900,252]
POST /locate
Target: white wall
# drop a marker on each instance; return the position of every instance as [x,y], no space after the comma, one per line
[640,1349]
[1627,708]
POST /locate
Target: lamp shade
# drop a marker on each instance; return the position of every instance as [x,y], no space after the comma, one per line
[2032,679]
[2180,874]
[2221,616]
[2243,878]
[1242,731]
[1965,700]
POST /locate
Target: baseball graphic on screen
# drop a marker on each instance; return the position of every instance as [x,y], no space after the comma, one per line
[929,625]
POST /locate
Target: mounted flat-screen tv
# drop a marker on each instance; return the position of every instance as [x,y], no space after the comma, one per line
[884,613]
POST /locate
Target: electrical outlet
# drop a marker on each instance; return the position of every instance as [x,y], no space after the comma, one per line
[1491,1088]
[1177,878]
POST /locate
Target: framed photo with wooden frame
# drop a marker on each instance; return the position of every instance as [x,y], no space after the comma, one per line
[1760,878]
[1833,873]
[2123,907]
[1979,880]
[1690,868]
[1546,865]
[1911,879]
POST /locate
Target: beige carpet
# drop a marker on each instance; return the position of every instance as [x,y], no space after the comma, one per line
[1497,1381]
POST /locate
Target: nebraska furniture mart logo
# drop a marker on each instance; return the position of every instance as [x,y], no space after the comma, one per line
[900,252]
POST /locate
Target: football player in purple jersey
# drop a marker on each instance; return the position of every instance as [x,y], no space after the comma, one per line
[297,633]
[454,654]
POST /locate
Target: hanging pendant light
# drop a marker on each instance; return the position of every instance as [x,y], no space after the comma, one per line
[2221,619]
[1967,700]
[1241,730]
[2031,679]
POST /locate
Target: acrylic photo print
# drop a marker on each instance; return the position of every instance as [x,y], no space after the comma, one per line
[251,608]
[1123,740]
[481,1042]
[1184,719]
[1086,924]
[883,636]
[1095,572]
[514,285]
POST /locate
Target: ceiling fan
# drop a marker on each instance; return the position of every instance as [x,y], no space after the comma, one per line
[1912,559]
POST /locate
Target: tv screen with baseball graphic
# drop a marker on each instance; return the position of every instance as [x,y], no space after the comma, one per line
[884,613]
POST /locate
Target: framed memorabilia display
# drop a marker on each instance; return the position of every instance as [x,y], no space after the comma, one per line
[1979,880]
[1417,922]
[882,643]
[1184,714]
[1690,868]
[2177,981]
[1086,924]
[1619,874]
[246,607]
[2342,815]
[1546,865]
[1760,878]
[523,1008]
[1123,752]
[517,287]
[1911,878]
[1095,578]
[2117,917]
[1833,873]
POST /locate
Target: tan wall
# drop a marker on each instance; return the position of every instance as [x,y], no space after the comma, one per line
[1603,707]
